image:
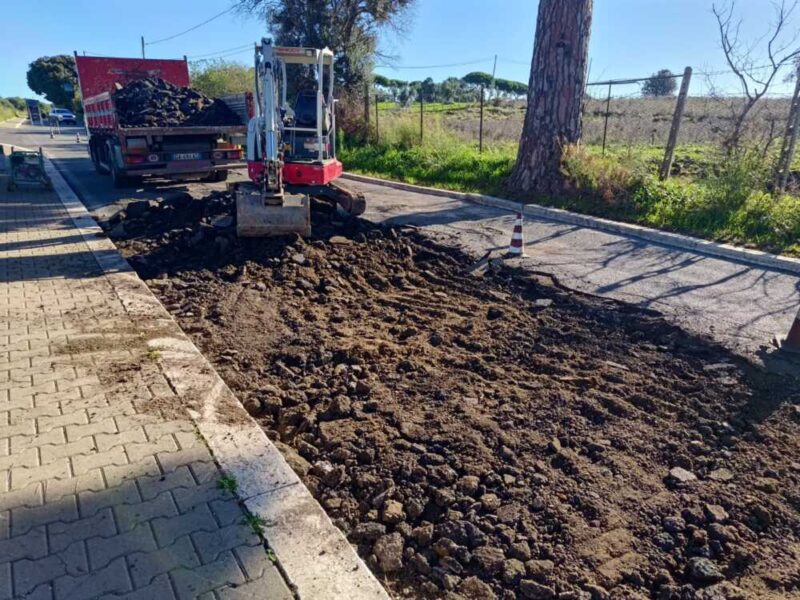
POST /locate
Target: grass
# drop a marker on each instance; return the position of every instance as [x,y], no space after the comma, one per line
[256,523]
[7,111]
[712,196]
[228,483]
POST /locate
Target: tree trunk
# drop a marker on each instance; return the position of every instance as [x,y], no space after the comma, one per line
[555,95]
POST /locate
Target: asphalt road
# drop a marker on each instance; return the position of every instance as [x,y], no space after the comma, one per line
[737,305]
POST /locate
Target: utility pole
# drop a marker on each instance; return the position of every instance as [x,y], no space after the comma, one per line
[480,127]
[789,139]
[142,46]
[666,166]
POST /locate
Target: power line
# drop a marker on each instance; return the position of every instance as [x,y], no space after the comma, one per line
[236,49]
[206,22]
[464,64]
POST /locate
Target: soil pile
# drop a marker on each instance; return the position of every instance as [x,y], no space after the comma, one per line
[489,434]
[158,103]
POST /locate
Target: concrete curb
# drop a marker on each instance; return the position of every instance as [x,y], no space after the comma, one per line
[678,241]
[316,558]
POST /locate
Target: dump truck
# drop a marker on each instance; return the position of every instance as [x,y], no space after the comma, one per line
[175,152]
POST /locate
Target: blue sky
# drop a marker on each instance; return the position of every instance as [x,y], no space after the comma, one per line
[630,38]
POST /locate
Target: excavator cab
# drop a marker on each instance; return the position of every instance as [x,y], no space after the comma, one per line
[291,151]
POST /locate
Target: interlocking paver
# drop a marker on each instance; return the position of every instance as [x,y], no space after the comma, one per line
[101,493]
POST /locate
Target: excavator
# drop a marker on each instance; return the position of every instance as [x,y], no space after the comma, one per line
[291,150]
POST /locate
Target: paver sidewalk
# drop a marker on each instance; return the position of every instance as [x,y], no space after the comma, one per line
[106,488]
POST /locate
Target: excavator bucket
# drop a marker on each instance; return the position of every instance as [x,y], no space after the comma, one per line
[257,218]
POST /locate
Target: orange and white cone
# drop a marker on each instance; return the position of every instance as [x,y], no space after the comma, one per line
[516,246]
[791,343]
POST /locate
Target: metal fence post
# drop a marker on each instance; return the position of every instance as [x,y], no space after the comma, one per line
[366,113]
[680,106]
[421,118]
[377,128]
[605,125]
[480,127]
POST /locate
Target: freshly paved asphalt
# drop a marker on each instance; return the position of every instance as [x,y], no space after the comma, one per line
[737,305]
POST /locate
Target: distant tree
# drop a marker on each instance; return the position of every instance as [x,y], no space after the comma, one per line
[511,88]
[427,90]
[350,28]
[451,90]
[219,77]
[660,84]
[555,96]
[18,103]
[383,81]
[477,78]
[55,78]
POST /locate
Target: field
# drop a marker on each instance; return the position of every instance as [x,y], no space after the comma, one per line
[469,434]
[711,194]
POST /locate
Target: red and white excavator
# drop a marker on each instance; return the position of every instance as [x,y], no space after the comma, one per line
[291,150]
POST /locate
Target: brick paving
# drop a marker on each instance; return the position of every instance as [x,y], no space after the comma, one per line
[106,488]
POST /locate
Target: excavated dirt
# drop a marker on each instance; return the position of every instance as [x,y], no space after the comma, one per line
[158,103]
[489,436]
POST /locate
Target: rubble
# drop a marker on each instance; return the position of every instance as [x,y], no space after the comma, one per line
[153,102]
[538,454]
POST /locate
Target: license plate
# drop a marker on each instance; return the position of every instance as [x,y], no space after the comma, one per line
[186,156]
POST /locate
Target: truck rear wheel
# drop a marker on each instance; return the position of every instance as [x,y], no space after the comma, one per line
[99,159]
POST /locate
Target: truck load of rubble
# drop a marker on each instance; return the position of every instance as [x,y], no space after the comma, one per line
[154,102]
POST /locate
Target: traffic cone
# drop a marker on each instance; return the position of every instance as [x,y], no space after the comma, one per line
[78,137]
[791,343]
[515,248]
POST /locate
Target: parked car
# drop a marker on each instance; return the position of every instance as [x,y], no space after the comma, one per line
[63,116]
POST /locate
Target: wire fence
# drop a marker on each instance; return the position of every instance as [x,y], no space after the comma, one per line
[618,113]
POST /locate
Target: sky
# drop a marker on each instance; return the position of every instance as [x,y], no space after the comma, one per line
[630,38]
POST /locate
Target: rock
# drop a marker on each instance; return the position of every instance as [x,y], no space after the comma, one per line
[420,564]
[715,513]
[535,591]
[680,476]
[541,570]
[542,302]
[767,484]
[521,550]
[761,516]
[367,532]
[473,588]
[388,550]
[339,408]
[254,406]
[392,512]
[721,591]
[494,313]
[363,388]
[674,524]
[423,534]
[490,502]
[222,221]
[138,208]
[468,485]
[597,592]
[118,231]
[298,258]
[489,558]
[721,475]
[703,571]
[513,571]
[298,464]
[453,530]
[338,240]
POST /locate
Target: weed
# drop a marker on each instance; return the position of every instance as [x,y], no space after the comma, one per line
[228,483]
[256,523]
[271,555]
